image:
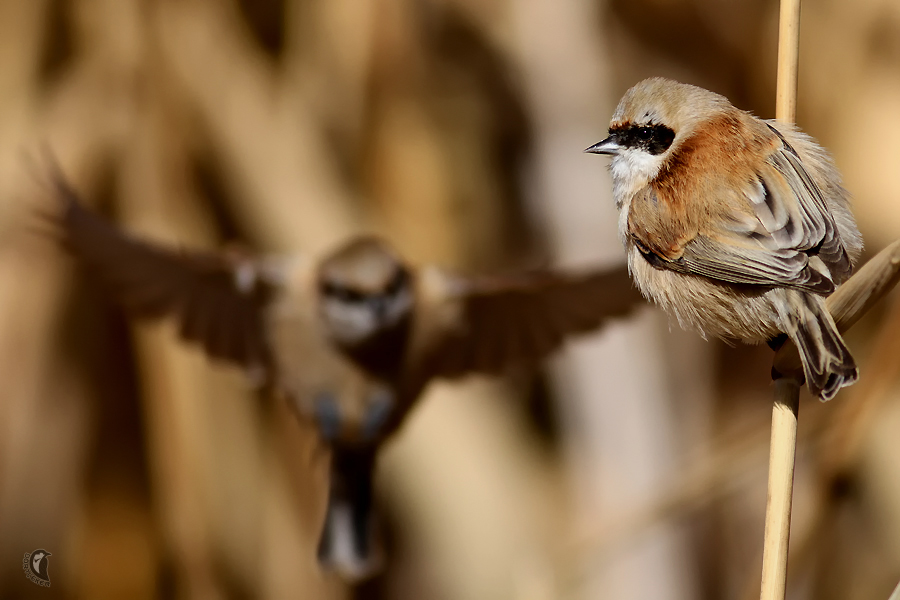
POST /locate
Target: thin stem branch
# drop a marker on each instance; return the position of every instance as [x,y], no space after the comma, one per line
[782,450]
[788,58]
[783,445]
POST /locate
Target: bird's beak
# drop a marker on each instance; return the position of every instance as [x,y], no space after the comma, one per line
[607,146]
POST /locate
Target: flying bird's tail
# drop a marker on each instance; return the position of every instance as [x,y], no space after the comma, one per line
[348,544]
[827,363]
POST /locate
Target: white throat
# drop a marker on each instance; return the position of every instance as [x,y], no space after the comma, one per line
[352,323]
[632,170]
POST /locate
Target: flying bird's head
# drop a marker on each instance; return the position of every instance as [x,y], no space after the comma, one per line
[649,124]
[365,289]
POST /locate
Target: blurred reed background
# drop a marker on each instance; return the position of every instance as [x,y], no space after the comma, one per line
[634,467]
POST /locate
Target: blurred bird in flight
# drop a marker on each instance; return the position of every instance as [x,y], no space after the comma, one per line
[350,339]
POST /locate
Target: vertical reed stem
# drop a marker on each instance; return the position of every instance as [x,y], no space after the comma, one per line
[782,449]
[788,57]
[783,446]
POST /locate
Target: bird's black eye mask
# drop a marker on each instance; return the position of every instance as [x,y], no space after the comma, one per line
[400,281]
[338,292]
[351,296]
[651,138]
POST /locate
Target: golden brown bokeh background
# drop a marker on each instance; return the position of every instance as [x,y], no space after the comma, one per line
[634,467]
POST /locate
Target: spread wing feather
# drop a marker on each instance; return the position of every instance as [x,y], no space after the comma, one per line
[506,322]
[200,290]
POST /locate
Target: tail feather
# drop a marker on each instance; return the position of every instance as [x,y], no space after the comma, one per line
[348,544]
[827,363]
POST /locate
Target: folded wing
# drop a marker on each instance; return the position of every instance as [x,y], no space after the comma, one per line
[790,240]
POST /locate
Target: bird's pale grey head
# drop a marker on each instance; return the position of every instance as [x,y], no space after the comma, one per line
[365,289]
[652,119]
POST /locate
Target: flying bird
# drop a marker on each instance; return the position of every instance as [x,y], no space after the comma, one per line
[736,225]
[350,339]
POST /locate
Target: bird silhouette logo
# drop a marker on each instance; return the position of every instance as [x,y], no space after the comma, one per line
[35,565]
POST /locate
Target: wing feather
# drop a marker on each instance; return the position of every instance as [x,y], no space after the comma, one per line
[773,245]
[735,262]
[199,290]
[518,320]
[817,219]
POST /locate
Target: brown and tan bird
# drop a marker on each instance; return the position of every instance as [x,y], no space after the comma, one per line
[737,226]
[350,340]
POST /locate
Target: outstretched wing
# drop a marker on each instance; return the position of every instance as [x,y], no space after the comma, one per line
[218,302]
[504,322]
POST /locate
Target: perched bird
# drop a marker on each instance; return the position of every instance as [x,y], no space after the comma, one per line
[349,340]
[737,226]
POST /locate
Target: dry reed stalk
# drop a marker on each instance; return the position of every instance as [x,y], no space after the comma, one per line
[845,429]
[273,152]
[783,445]
[851,421]
[221,486]
[171,375]
[45,420]
[788,59]
[782,451]
[846,305]
[846,424]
